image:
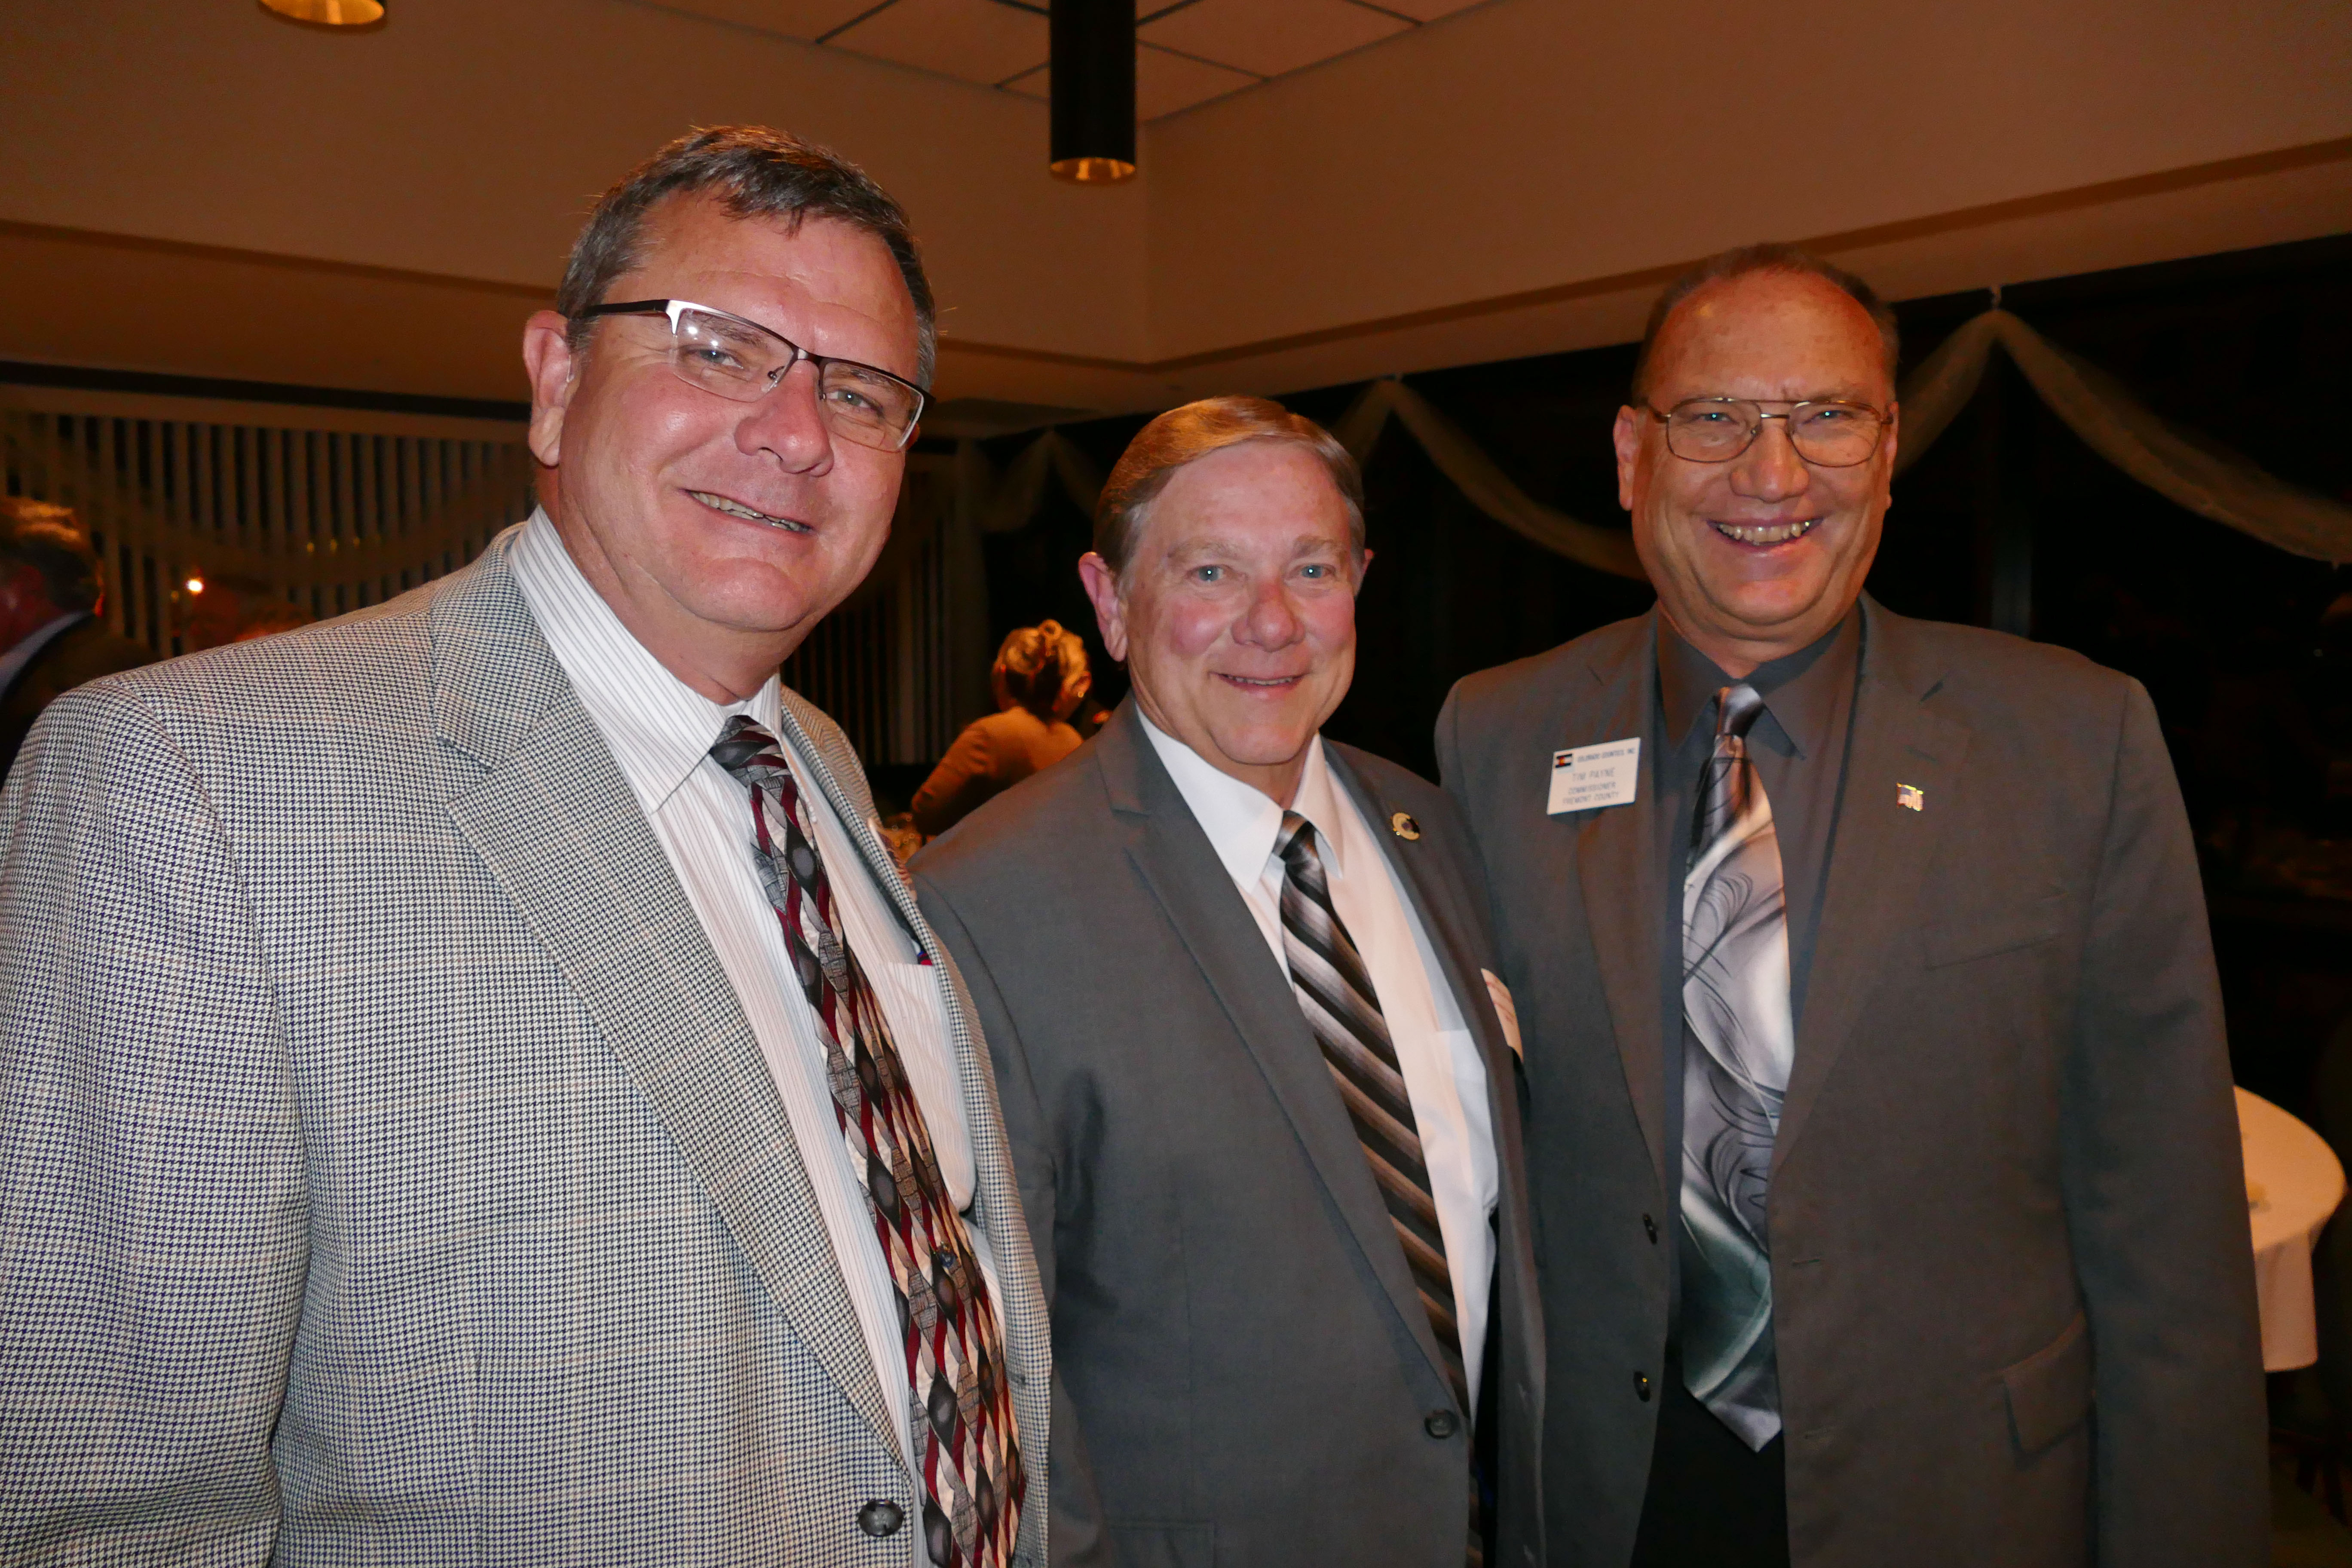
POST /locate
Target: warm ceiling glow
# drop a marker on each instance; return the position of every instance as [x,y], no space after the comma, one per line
[195,584]
[1094,170]
[329,13]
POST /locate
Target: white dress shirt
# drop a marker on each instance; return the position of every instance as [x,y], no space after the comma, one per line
[660,731]
[1444,1074]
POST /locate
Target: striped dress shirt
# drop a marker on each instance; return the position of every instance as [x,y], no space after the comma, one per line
[660,731]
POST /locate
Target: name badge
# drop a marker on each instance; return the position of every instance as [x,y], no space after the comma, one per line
[1591,776]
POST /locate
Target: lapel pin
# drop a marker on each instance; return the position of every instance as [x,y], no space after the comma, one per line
[1404,826]
[1910,797]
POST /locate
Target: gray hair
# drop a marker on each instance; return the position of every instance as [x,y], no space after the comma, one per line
[1189,434]
[1767,258]
[49,539]
[755,173]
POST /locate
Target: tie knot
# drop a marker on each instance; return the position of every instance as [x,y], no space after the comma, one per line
[1735,709]
[748,752]
[1295,844]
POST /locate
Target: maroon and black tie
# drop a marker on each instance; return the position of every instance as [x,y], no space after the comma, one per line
[971,1454]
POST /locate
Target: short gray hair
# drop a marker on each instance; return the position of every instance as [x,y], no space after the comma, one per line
[755,173]
[49,539]
[1189,434]
[1767,258]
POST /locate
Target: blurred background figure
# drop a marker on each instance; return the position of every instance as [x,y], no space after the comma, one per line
[217,611]
[51,639]
[1040,679]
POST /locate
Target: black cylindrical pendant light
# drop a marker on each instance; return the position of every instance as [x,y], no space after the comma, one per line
[1094,90]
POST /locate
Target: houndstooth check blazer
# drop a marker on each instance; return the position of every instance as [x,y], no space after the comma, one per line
[387,1171]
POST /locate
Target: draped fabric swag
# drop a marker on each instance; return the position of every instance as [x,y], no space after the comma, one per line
[2178,464]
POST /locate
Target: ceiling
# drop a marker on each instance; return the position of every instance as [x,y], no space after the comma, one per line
[1187,51]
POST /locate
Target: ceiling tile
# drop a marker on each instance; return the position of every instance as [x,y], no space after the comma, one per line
[1271,37]
[792,19]
[978,40]
[1426,10]
[1165,83]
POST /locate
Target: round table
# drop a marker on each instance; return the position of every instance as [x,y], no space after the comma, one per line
[2294,1183]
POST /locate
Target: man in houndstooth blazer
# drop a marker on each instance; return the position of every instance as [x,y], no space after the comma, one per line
[392,1169]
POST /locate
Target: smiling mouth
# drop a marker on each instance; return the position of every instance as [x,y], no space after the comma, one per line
[1262,682]
[737,509]
[1764,533]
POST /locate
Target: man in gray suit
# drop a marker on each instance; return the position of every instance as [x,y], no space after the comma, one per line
[1263,1106]
[1880,1123]
[475,1088]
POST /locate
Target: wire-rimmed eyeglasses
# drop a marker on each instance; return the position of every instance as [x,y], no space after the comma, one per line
[742,361]
[1827,432]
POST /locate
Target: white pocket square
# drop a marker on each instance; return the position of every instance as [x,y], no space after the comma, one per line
[1505,1010]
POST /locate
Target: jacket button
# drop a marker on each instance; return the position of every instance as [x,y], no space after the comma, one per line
[1641,1386]
[1650,1227]
[1441,1423]
[880,1518]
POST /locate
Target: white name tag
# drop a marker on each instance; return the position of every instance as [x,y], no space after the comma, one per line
[1594,777]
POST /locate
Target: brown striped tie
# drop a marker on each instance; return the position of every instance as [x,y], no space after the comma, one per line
[1343,1012]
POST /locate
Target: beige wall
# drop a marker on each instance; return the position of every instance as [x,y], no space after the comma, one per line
[466,139]
[1508,181]
[1533,142]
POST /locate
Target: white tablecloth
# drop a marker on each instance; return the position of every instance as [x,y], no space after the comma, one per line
[2292,1183]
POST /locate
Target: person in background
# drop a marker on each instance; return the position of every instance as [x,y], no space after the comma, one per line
[1040,679]
[51,638]
[1259,1079]
[1880,1121]
[473,1086]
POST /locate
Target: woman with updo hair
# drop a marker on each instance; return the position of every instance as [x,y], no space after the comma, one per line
[1040,679]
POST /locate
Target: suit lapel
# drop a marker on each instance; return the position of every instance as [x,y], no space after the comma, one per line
[1878,856]
[1621,883]
[1442,905]
[1175,858]
[558,825]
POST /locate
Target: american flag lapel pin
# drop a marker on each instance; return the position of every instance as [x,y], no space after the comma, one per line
[1910,797]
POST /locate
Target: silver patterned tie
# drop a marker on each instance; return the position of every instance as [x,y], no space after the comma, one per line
[1739,1041]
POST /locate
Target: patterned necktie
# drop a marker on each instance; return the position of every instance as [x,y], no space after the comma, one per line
[1738,1045]
[1344,1014]
[972,1478]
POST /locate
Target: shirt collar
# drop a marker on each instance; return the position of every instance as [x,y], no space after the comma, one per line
[1799,690]
[1243,822]
[659,729]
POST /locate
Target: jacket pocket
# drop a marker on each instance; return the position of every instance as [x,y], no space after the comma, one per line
[1164,1545]
[2004,930]
[2049,1391]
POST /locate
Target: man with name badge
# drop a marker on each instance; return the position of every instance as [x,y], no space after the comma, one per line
[1263,1104]
[1880,1129]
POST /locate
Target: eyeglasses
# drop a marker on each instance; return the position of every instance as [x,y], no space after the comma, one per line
[743,362]
[1829,435]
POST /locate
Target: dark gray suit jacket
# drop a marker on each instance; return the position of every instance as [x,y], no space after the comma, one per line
[2013,1286]
[1244,1372]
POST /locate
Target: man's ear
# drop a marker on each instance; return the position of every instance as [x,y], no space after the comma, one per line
[1627,438]
[547,356]
[1102,587]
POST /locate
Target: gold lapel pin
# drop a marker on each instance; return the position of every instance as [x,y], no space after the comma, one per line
[1910,797]
[1404,826]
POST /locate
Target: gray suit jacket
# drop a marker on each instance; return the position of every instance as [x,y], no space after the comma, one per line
[1253,1377]
[2013,1286]
[387,1171]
